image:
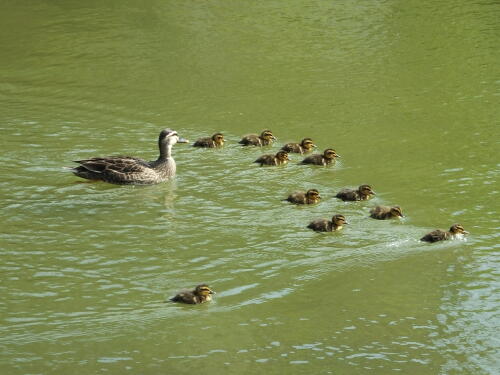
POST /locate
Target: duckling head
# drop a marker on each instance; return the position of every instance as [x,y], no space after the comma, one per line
[203,290]
[267,135]
[282,156]
[366,190]
[339,220]
[218,138]
[307,144]
[396,211]
[458,229]
[330,154]
[313,194]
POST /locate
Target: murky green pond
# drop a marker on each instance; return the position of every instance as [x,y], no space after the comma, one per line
[405,91]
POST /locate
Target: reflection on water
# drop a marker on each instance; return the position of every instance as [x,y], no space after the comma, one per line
[88,266]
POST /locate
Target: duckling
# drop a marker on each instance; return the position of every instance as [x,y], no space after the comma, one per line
[456,230]
[216,140]
[363,193]
[385,212]
[265,138]
[299,197]
[280,158]
[306,145]
[323,225]
[328,157]
[202,293]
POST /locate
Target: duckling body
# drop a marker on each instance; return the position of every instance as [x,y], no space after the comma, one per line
[441,235]
[264,139]
[202,293]
[305,146]
[364,192]
[280,158]
[324,225]
[126,170]
[385,212]
[328,157]
[216,140]
[300,197]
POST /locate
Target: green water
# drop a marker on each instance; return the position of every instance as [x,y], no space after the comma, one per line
[406,92]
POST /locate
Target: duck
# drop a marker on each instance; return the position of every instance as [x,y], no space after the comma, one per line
[385,212]
[456,230]
[324,225]
[300,197]
[305,146]
[216,140]
[280,158]
[264,139]
[200,294]
[364,192]
[328,157]
[127,170]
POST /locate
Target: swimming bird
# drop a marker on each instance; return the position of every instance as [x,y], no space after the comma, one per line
[265,138]
[324,225]
[279,159]
[363,193]
[216,140]
[328,157]
[306,145]
[385,212]
[309,197]
[202,293]
[126,170]
[456,230]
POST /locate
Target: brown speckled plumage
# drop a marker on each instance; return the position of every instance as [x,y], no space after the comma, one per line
[300,197]
[363,192]
[126,170]
[324,225]
[265,138]
[385,212]
[202,293]
[305,146]
[327,157]
[216,140]
[279,159]
[441,235]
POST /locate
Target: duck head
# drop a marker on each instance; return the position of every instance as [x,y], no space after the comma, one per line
[267,135]
[458,229]
[366,190]
[330,154]
[218,138]
[339,220]
[313,194]
[307,144]
[203,290]
[282,156]
[396,211]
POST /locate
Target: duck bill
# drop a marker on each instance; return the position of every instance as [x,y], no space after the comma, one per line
[465,232]
[372,193]
[183,140]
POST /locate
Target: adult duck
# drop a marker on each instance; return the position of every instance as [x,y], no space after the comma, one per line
[126,170]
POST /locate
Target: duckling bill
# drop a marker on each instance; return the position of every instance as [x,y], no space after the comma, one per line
[300,197]
[305,146]
[364,192]
[202,293]
[385,212]
[456,230]
[324,225]
[216,140]
[280,158]
[328,157]
[264,139]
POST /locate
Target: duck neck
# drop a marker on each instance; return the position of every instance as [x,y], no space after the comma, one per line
[165,151]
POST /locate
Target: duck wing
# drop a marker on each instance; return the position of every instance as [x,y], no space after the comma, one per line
[117,169]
